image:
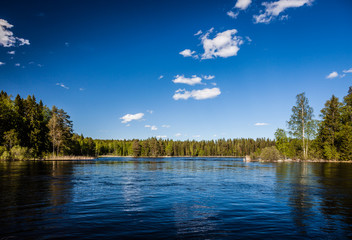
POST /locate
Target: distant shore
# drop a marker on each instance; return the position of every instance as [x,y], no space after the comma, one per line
[113,156]
[67,158]
[253,160]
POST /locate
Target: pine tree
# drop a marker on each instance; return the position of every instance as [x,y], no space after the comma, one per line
[346,129]
[330,128]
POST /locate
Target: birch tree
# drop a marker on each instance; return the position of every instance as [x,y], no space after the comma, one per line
[300,121]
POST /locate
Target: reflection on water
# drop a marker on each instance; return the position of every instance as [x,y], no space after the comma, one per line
[175,198]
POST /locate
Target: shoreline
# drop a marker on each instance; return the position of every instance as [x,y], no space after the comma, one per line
[65,158]
[280,160]
[114,156]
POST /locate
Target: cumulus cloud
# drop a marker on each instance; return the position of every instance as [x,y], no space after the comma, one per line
[188,53]
[273,9]
[196,136]
[11,52]
[232,14]
[208,77]
[165,126]
[261,124]
[178,134]
[7,39]
[189,81]
[161,77]
[2,63]
[205,93]
[224,44]
[17,64]
[130,117]
[243,4]
[152,127]
[150,111]
[347,71]
[62,85]
[332,75]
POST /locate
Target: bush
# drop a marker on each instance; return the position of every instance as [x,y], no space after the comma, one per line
[5,155]
[19,153]
[270,153]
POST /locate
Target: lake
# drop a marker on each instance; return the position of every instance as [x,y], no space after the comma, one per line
[163,198]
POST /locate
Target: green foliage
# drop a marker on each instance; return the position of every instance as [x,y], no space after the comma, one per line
[270,153]
[153,147]
[300,123]
[281,141]
[24,130]
[19,153]
[136,148]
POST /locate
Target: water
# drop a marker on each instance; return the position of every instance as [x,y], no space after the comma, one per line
[201,198]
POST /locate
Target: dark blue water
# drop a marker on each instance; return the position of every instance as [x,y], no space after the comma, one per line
[177,198]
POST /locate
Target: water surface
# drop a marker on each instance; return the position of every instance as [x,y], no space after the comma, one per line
[201,198]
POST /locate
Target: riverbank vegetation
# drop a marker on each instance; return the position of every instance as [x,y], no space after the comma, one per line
[154,147]
[328,139]
[30,130]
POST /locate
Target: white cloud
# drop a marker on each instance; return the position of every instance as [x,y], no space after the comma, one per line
[213,83]
[11,52]
[189,81]
[261,124]
[224,44]
[17,64]
[196,136]
[161,136]
[208,77]
[232,14]
[188,53]
[205,93]
[7,39]
[347,71]
[243,4]
[198,33]
[178,134]
[165,126]
[152,127]
[128,125]
[342,75]
[130,117]
[2,63]
[273,9]
[150,111]
[332,75]
[161,77]
[81,89]
[62,85]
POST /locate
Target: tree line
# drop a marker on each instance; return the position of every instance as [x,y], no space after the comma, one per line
[307,138]
[154,147]
[29,129]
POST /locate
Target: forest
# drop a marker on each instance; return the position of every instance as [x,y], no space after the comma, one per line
[31,130]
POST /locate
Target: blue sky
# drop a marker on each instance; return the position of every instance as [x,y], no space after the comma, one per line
[177,69]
